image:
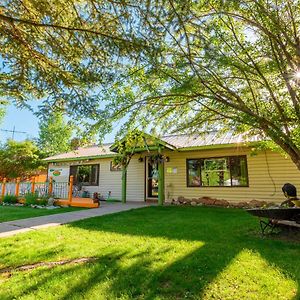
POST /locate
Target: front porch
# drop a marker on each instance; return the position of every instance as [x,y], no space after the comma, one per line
[78,202]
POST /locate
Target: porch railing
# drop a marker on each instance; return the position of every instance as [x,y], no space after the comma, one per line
[58,190]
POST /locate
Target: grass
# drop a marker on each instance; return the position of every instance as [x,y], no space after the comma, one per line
[153,253]
[10,213]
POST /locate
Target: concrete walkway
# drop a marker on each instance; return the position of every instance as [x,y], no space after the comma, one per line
[14,227]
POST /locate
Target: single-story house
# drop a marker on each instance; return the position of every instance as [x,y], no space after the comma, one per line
[221,166]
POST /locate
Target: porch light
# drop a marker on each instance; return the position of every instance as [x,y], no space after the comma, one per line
[167,159]
[140,159]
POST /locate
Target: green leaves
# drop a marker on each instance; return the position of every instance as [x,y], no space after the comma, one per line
[19,159]
[170,65]
[55,135]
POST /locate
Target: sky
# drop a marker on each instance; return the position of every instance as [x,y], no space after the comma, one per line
[25,121]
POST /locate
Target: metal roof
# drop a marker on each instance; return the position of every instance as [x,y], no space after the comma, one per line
[180,142]
[84,152]
[208,139]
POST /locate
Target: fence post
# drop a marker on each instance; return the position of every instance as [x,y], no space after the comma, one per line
[50,186]
[3,189]
[18,186]
[70,189]
[32,185]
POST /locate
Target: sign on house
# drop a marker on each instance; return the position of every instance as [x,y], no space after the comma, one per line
[59,174]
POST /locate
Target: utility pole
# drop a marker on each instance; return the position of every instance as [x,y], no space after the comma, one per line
[13,132]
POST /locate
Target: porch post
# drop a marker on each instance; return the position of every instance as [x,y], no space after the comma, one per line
[161,184]
[17,191]
[3,189]
[50,189]
[32,185]
[70,193]
[124,184]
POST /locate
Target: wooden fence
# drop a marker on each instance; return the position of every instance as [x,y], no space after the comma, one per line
[57,190]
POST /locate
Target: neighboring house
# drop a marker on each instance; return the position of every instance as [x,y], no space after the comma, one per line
[222,166]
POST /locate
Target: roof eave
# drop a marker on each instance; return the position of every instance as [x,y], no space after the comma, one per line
[79,157]
[217,146]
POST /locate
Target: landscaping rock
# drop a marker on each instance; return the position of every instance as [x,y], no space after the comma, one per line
[240,205]
[183,200]
[50,201]
[255,203]
[52,207]
[206,201]
[222,203]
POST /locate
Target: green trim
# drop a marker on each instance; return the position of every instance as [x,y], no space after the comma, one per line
[142,149]
[154,148]
[219,146]
[124,184]
[161,181]
[80,157]
[113,147]
[161,185]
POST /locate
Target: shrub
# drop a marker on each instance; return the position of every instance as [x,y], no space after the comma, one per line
[34,199]
[43,200]
[31,198]
[10,199]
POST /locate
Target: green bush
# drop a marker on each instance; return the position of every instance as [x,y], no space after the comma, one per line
[31,198]
[10,199]
[43,200]
[34,199]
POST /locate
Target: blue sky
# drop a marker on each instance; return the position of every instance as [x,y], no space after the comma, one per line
[24,120]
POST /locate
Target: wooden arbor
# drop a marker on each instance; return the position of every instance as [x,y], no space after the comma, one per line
[138,142]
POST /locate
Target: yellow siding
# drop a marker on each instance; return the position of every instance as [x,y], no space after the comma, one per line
[136,179]
[267,172]
[108,180]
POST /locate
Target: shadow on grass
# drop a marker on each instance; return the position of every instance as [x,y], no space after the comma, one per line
[224,235]
[225,232]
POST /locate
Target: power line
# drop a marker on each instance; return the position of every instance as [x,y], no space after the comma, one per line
[13,131]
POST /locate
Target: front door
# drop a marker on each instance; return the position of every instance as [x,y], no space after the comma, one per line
[152,180]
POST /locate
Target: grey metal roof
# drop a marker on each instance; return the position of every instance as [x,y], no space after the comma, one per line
[208,139]
[179,142]
[84,152]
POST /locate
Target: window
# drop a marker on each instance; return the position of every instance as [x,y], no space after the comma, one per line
[85,174]
[115,167]
[220,171]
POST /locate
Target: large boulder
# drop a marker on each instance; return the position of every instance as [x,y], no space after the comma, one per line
[183,200]
[50,201]
[222,203]
[206,201]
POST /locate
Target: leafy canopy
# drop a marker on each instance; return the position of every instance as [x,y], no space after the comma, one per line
[19,159]
[55,135]
[170,65]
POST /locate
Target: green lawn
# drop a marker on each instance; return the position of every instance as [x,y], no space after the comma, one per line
[10,213]
[153,253]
